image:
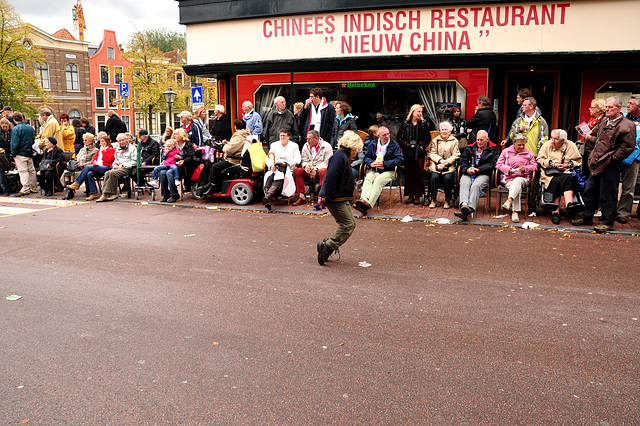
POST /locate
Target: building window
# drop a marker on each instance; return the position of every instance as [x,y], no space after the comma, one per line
[117,75]
[104,74]
[180,79]
[125,120]
[100,98]
[42,74]
[74,114]
[139,121]
[19,64]
[111,53]
[101,122]
[113,98]
[71,71]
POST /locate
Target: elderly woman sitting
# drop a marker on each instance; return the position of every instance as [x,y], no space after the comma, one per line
[517,164]
[47,172]
[84,157]
[443,155]
[558,157]
[100,164]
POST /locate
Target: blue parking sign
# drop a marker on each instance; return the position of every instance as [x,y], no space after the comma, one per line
[124,90]
[196,95]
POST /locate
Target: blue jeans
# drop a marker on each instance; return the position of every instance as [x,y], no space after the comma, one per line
[167,183]
[157,170]
[89,174]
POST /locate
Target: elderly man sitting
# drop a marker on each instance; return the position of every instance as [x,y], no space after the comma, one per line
[315,159]
[382,157]
[126,157]
[477,164]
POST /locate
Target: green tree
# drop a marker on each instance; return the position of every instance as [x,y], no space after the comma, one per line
[147,74]
[165,40]
[17,79]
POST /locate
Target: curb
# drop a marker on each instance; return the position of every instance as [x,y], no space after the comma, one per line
[575,229]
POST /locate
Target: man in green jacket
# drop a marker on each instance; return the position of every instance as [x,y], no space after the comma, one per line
[22,139]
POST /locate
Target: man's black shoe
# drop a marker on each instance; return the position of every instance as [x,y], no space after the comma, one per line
[164,199]
[323,252]
[622,220]
[173,198]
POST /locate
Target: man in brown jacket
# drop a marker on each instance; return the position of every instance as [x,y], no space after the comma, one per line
[616,139]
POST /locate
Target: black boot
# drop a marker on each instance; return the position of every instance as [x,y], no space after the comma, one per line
[323,251]
[70,195]
[202,191]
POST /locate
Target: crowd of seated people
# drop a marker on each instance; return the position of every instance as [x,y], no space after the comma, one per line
[463,161]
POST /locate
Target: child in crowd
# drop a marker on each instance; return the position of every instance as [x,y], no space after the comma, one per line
[170,151]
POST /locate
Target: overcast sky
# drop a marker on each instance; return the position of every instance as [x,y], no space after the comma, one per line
[122,16]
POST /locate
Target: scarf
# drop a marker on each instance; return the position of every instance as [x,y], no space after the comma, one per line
[528,120]
[316,115]
[594,120]
[381,150]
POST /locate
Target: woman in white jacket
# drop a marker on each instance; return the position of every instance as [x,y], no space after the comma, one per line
[281,160]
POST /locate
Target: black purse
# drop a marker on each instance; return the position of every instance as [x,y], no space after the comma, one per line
[43,165]
[72,166]
[552,171]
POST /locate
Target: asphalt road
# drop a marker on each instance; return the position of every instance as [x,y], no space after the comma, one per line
[135,314]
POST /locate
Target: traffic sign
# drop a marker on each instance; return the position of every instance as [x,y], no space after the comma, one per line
[196,95]
[124,90]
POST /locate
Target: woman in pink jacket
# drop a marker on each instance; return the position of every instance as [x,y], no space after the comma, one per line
[517,165]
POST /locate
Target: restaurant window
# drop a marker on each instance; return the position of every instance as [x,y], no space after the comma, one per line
[392,100]
[623,90]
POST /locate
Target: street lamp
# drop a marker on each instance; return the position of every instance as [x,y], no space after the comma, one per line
[170,97]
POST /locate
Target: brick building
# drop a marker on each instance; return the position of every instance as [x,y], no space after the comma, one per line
[107,65]
[64,74]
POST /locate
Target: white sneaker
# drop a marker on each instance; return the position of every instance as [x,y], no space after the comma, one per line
[514,217]
[446,205]
[432,205]
[506,206]
[177,182]
[154,183]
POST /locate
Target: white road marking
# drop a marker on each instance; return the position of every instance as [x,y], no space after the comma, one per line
[17,206]
[15,210]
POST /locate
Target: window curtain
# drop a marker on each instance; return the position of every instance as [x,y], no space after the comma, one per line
[265,97]
[433,93]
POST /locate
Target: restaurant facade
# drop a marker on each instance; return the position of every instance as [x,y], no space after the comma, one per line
[384,56]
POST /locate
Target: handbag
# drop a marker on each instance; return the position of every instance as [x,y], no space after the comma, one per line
[552,171]
[258,157]
[72,166]
[43,165]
